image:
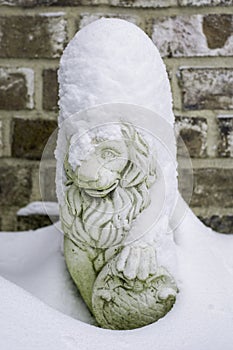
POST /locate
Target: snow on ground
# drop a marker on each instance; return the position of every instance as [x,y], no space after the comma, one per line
[40,208]
[202,317]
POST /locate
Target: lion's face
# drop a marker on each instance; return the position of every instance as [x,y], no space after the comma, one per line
[100,173]
[108,187]
[103,163]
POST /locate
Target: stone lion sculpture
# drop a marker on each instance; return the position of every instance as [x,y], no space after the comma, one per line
[108,180]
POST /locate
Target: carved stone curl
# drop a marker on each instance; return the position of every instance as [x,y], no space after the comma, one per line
[120,282]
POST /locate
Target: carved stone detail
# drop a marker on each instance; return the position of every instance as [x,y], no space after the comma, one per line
[121,283]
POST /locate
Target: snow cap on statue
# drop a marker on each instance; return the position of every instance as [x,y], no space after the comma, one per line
[113,61]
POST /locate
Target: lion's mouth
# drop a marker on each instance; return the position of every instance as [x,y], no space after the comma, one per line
[101,192]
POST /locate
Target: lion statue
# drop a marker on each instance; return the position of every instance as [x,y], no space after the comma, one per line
[109,172]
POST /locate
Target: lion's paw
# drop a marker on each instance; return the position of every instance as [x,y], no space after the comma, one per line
[122,303]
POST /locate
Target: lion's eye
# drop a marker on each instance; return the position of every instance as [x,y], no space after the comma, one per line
[108,154]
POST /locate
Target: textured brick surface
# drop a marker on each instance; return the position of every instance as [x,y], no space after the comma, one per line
[77,2]
[33,3]
[50,90]
[87,18]
[8,217]
[47,183]
[193,132]
[30,137]
[144,3]
[15,185]
[206,88]
[218,30]
[16,88]
[218,223]
[225,146]
[32,222]
[213,187]
[205,2]
[32,36]
[196,35]
[124,3]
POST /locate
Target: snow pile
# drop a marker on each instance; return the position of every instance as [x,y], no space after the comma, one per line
[113,61]
[40,208]
[202,317]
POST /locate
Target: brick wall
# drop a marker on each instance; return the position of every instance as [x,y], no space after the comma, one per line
[195,38]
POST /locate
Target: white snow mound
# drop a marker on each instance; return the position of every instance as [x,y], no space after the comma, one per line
[113,61]
[202,317]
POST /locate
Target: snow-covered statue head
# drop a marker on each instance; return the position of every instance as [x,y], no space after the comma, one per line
[116,179]
[117,155]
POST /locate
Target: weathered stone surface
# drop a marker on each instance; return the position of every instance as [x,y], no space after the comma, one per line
[225,146]
[32,36]
[33,3]
[78,2]
[125,3]
[25,3]
[196,35]
[212,187]
[15,185]
[218,29]
[8,218]
[205,2]
[32,222]
[30,137]
[47,183]
[193,132]
[16,88]
[218,223]
[143,3]
[206,88]
[50,90]
[87,18]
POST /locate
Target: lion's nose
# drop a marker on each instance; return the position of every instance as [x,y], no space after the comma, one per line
[88,171]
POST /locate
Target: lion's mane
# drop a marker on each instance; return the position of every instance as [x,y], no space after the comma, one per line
[104,222]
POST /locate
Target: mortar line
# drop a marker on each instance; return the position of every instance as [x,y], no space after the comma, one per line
[38,89]
[28,63]
[175,62]
[169,10]
[29,114]
[200,62]
[199,163]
